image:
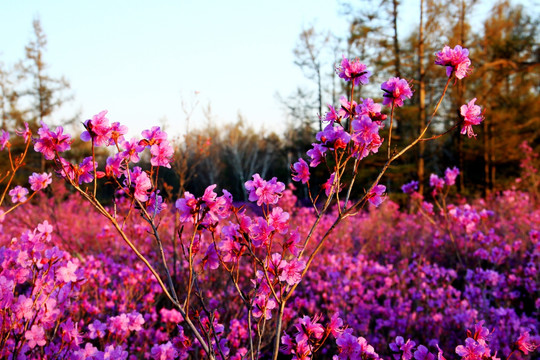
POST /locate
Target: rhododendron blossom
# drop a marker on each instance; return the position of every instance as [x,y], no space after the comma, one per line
[395,91]
[456,61]
[472,115]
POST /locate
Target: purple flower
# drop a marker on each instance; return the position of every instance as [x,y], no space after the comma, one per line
[18,194]
[164,352]
[365,136]
[97,129]
[404,347]
[353,70]
[395,91]
[472,115]
[436,182]
[410,188]
[375,196]
[422,353]
[264,192]
[39,181]
[332,115]
[456,60]
[4,139]
[26,133]
[300,171]
[316,154]
[450,176]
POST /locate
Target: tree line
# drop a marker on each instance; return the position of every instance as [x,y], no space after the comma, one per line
[503,48]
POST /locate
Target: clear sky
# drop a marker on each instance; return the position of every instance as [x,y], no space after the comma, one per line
[139,59]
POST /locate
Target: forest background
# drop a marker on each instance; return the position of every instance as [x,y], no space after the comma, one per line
[505,80]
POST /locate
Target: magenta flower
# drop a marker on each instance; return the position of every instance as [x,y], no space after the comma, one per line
[334,137]
[117,133]
[317,154]
[187,207]
[375,196]
[395,91]
[291,272]
[153,136]
[472,115]
[18,194]
[332,115]
[98,129]
[115,166]
[97,329]
[132,150]
[353,70]
[471,351]
[456,61]
[365,137]
[4,139]
[436,182]
[300,171]
[527,344]
[39,181]
[52,142]
[264,192]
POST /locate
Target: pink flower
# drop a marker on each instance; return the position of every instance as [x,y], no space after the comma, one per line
[472,115]
[353,70]
[39,181]
[436,182]
[456,61]
[332,115]
[375,196]
[291,272]
[161,154]
[300,171]
[264,192]
[35,336]
[52,142]
[26,133]
[97,129]
[117,133]
[18,194]
[66,273]
[132,150]
[450,176]
[395,91]
[527,344]
[140,183]
[153,136]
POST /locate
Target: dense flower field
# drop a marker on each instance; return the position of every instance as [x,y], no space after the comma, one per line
[140,277]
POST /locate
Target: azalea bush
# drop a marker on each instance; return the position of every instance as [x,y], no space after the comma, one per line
[206,277]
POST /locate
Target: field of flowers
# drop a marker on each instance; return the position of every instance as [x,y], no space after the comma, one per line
[140,277]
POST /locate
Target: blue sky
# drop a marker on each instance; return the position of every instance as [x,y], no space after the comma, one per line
[139,60]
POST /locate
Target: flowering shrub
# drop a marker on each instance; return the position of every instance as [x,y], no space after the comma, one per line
[204,277]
